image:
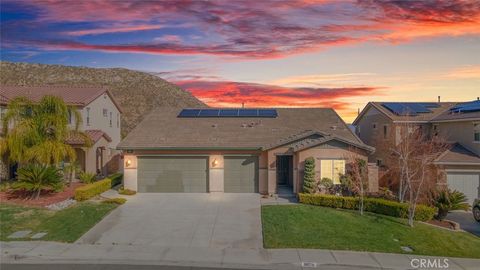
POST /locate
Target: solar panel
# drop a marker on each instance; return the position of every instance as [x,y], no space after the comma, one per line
[399,109]
[417,107]
[228,112]
[208,112]
[248,112]
[472,106]
[430,104]
[194,113]
[267,112]
[189,113]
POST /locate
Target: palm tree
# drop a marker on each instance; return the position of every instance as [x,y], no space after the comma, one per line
[37,132]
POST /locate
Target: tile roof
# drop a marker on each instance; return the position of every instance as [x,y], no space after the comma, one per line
[163,129]
[94,134]
[72,95]
[458,154]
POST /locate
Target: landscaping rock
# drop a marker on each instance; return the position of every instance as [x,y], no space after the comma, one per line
[38,235]
[19,234]
[61,205]
[407,249]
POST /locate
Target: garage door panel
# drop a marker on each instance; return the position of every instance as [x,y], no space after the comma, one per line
[241,174]
[173,174]
[465,182]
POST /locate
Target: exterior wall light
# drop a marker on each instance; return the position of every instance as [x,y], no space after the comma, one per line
[215,162]
[128,162]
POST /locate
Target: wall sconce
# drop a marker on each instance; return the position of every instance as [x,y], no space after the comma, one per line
[215,162]
[128,162]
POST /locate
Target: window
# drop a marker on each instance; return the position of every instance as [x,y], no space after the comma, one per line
[110,119]
[379,162]
[70,116]
[88,116]
[435,130]
[118,120]
[332,169]
[105,112]
[385,131]
[476,132]
[374,125]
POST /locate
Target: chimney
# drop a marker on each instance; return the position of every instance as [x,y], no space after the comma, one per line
[478,98]
[438,98]
[243,105]
[358,111]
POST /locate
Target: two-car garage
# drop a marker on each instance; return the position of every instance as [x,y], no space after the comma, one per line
[466,182]
[190,174]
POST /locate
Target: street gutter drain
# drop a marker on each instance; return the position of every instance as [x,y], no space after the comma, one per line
[309,264]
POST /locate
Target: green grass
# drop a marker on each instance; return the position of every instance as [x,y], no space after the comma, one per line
[66,225]
[304,226]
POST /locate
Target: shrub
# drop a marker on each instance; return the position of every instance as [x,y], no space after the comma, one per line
[86,177]
[374,205]
[309,183]
[34,178]
[91,190]
[325,185]
[447,200]
[124,191]
[118,201]
[116,178]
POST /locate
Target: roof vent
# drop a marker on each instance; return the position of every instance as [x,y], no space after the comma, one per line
[214,125]
[244,125]
[334,127]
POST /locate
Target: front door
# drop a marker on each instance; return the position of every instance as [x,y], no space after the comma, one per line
[284,170]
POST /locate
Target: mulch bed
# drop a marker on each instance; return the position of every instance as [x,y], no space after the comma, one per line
[46,198]
[443,223]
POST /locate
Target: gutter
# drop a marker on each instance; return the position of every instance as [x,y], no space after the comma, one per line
[189,148]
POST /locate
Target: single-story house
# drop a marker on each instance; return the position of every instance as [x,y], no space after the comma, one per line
[237,150]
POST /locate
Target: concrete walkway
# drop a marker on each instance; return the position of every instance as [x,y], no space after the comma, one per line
[51,252]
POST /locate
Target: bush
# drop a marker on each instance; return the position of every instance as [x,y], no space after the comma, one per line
[91,190]
[374,205]
[116,178]
[124,191]
[447,200]
[34,178]
[325,186]
[86,177]
[309,183]
[118,201]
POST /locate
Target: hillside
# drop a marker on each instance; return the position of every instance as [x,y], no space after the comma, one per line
[136,92]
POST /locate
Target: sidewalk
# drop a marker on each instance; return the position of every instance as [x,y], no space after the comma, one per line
[51,252]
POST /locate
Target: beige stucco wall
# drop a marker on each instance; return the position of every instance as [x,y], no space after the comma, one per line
[216,173]
[130,172]
[461,132]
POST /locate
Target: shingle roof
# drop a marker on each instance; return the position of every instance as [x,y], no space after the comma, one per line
[163,129]
[94,134]
[456,154]
[72,95]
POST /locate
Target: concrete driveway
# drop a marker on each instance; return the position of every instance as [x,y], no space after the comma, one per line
[466,221]
[185,220]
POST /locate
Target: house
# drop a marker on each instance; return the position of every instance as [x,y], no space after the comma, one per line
[236,150]
[101,122]
[381,123]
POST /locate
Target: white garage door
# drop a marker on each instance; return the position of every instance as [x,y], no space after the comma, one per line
[466,182]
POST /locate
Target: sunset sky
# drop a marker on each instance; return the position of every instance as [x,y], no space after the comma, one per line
[338,54]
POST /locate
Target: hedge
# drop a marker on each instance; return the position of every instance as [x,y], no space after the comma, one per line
[91,190]
[118,201]
[374,205]
[116,178]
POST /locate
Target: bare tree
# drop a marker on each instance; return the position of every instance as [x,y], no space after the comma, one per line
[357,171]
[413,159]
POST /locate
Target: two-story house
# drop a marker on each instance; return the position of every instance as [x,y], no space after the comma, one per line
[101,117]
[381,124]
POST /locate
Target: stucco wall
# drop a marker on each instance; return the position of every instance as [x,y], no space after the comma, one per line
[216,173]
[461,132]
[90,155]
[130,172]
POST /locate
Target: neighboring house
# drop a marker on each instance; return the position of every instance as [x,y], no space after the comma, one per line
[101,121]
[237,150]
[382,123]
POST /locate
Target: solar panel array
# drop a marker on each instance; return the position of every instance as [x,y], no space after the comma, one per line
[195,113]
[472,106]
[409,108]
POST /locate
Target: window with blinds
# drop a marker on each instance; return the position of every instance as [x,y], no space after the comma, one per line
[332,168]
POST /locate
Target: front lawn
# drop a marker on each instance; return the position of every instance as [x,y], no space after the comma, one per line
[66,225]
[305,226]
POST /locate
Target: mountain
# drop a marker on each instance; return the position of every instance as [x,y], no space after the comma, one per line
[136,92]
